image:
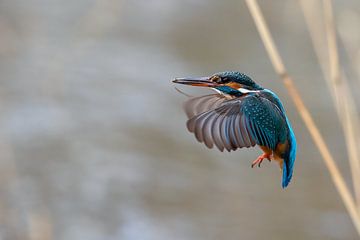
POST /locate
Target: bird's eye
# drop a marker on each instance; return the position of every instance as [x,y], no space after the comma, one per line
[216,79]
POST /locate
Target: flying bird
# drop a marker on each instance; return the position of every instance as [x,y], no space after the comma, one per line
[241,114]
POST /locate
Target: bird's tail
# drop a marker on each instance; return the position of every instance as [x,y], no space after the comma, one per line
[289,160]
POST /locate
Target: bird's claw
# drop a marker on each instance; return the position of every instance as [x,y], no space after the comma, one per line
[254,163]
[259,160]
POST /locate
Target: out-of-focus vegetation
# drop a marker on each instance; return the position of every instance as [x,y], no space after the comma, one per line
[93,139]
[341,93]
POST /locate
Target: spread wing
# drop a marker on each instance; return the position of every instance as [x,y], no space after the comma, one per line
[235,123]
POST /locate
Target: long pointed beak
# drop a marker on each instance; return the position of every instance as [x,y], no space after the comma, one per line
[193,81]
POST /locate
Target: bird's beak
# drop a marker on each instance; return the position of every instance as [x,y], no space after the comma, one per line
[199,81]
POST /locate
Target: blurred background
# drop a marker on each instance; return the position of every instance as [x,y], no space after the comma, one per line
[93,143]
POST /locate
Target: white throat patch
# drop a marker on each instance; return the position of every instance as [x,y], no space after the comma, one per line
[244,90]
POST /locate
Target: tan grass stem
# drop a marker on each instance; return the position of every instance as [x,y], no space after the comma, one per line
[323,37]
[346,101]
[304,112]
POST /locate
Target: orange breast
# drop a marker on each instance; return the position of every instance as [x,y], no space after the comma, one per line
[281,148]
[279,151]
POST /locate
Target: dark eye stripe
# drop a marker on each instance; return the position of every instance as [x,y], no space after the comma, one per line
[225,80]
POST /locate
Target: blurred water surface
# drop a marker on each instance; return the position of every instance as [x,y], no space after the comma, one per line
[93,138]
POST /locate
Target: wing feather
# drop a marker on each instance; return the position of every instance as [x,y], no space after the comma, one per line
[199,126]
[197,105]
[238,134]
[244,132]
[215,131]
[232,129]
[224,131]
[207,131]
[233,123]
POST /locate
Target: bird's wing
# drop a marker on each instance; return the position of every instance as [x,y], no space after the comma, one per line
[235,123]
[197,105]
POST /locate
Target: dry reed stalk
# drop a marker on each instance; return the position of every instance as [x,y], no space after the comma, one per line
[304,112]
[336,81]
[349,37]
[353,55]
[8,176]
[40,228]
[346,100]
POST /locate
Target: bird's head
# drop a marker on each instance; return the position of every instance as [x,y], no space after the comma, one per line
[223,81]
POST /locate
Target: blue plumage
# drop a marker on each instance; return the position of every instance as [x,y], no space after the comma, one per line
[289,158]
[243,115]
[290,154]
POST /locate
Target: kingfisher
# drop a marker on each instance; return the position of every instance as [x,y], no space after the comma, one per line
[241,114]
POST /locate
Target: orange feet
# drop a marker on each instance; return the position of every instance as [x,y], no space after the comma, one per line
[259,160]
